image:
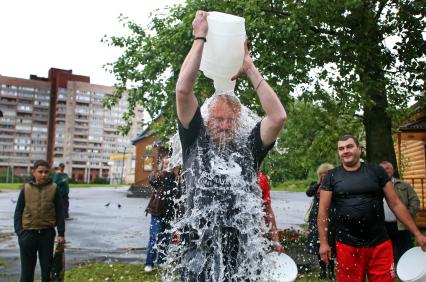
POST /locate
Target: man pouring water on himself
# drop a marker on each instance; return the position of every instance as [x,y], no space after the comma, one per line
[221,240]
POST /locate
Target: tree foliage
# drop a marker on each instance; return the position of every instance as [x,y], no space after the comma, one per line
[308,140]
[334,52]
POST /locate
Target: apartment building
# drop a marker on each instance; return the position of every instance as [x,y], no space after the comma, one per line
[24,125]
[60,118]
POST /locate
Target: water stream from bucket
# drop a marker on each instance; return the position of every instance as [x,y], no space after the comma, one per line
[222,227]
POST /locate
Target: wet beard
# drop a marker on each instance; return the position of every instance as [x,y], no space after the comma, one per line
[223,137]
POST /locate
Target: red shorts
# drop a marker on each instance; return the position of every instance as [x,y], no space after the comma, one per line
[353,264]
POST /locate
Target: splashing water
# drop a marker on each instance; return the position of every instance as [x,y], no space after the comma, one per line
[222,225]
[248,119]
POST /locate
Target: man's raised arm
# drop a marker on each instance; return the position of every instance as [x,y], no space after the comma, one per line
[186,102]
[271,104]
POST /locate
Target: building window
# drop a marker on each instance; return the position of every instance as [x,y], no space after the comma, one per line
[41,103]
[43,129]
[148,162]
[39,136]
[25,88]
[23,141]
[24,108]
[22,127]
[6,148]
[27,95]
[22,148]
[9,92]
[9,113]
[38,156]
[24,121]
[7,119]
[9,86]
[43,91]
[22,155]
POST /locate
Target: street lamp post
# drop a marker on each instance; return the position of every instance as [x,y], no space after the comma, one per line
[13,173]
[122,166]
[88,174]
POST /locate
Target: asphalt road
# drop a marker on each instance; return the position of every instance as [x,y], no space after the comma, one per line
[105,225]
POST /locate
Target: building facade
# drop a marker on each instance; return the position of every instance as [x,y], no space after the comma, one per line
[149,151]
[122,169]
[60,118]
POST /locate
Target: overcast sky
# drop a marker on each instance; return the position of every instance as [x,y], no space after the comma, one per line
[38,35]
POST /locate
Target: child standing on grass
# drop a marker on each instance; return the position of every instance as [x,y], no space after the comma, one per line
[38,210]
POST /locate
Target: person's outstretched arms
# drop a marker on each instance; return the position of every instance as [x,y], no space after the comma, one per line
[186,102]
[271,104]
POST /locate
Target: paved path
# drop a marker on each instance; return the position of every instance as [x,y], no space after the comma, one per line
[113,233]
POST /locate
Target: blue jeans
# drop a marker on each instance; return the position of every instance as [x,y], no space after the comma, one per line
[151,251]
[159,239]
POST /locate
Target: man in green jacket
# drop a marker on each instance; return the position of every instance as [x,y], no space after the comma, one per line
[61,180]
[400,236]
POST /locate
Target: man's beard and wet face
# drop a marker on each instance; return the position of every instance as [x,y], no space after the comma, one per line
[222,122]
[349,152]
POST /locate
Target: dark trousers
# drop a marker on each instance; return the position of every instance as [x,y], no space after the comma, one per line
[32,242]
[401,240]
[404,243]
[66,203]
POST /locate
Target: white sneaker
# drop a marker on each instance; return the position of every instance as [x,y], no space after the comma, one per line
[147,268]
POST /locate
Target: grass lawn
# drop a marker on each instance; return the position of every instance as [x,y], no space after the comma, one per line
[12,186]
[292,185]
[3,262]
[110,272]
[130,272]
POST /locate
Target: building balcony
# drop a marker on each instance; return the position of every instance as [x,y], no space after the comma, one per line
[82,123]
[40,106]
[6,101]
[80,138]
[7,129]
[80,117]
[40,116]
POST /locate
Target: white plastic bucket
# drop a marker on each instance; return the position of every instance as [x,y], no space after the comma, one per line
[279,268]
[412,266]
[223,52]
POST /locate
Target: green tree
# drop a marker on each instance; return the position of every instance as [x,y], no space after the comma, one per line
[327,50]
[308,140]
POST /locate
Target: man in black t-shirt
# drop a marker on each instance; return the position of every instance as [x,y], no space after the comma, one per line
[356,190]
[220,228]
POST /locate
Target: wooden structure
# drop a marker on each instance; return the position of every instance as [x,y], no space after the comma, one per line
[148,154]
[411,155]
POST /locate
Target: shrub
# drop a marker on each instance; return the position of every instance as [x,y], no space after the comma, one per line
[101,180]
[291,237]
